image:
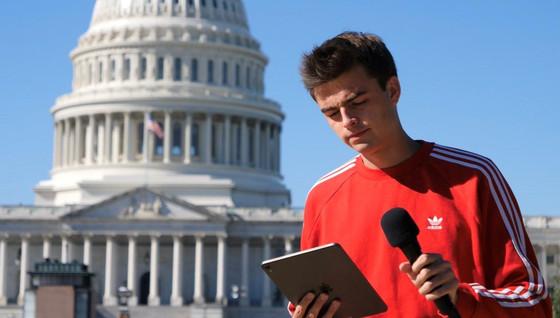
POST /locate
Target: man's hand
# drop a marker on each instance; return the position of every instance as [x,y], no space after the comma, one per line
[433,276]
[313,312]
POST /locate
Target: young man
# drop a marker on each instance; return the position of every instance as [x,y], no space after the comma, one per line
[468,217]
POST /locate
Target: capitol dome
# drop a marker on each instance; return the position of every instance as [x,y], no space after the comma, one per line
[169,95]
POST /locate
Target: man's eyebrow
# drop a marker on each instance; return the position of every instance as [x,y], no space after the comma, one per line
[346,101]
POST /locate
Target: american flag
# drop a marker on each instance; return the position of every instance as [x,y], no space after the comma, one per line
[153,125]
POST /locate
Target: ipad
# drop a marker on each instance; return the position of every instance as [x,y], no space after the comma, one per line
[328,269]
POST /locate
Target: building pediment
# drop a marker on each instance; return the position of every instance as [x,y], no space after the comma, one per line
[147,205]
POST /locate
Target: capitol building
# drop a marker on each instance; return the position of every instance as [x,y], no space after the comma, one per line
[166,170]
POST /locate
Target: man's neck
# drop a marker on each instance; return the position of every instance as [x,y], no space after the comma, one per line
[391,156]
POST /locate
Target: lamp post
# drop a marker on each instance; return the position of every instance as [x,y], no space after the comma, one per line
[123,293]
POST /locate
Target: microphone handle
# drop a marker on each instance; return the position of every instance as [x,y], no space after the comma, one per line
[412,251]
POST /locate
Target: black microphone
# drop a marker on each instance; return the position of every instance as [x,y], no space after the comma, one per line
[401,231]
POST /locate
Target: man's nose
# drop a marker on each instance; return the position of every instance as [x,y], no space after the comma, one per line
[348,119]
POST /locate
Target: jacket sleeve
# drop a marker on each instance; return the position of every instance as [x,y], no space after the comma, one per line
[512,285]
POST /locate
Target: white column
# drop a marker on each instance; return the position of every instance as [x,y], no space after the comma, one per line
[131,273]
[24,264]
[108,137]
[153,296]
[544,271]
[78,141]
[65,250]
[66,143]
[3,271]
[267,295]
[89,140]
[109,298]
[116,143]
[187,143]
[244,143]
[167,129]
[87,250]
[100,158]
[221,277]
[244,290]
[127,132]
[266,149]
[288,246]
[47,246]
[276,152]
[227,140]
[257,144]
[56,146]
[198,270]
[177,275]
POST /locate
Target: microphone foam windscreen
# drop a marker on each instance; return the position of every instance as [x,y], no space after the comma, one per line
[400,229]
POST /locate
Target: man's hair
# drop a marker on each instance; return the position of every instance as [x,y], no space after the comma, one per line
[340,54]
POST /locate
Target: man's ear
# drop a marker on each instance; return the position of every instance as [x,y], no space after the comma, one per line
[393,88]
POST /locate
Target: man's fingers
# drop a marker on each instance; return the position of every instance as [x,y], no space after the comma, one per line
[301,307]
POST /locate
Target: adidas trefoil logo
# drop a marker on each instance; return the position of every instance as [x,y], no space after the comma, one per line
[435,223]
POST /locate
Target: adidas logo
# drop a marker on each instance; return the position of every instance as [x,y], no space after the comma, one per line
[435,223]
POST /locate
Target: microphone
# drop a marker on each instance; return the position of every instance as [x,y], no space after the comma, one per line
[401,231]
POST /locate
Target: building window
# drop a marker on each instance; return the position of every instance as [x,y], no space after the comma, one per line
[210,71]
[237,75]
[251,145]
[160,65]
[203,2]
[225,6]
[176,148]
[126,71]
[195,145]
[248,77]
[215,4]
[143,67]
[191,2]
[194,70]
[140,141]
[177,69]
[224,73]
[550,259]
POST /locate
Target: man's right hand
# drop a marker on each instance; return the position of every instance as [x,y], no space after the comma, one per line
[313,312]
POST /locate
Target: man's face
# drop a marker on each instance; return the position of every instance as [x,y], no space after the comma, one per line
[363,115]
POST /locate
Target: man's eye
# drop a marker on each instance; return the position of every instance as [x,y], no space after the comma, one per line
[333,114]
[360,102]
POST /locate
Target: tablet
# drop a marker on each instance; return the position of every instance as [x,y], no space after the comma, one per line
[328,269]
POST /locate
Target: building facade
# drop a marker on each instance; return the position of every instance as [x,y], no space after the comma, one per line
[166,171]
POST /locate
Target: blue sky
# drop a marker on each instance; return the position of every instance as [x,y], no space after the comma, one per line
[478,75]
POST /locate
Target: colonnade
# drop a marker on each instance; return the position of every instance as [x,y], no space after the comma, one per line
[114,138]
[110,277]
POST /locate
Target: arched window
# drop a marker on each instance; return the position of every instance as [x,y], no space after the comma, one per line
[177,64]
[160,68]
[248,77]
[194,70]
[195,145]
[126,69]
[176,145]
[143,67]
[140,140]
[237,75]
[224,73]
[210,71]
